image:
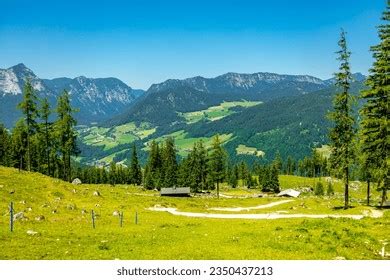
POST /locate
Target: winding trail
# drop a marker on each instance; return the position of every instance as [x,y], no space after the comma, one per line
[239,209]
[270,216]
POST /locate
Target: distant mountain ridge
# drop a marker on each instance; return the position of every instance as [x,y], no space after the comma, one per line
[97,99]
[162,101]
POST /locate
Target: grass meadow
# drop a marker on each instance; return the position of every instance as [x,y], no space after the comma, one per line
[58,217]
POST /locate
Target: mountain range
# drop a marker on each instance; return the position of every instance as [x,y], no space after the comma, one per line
[97,99]
[257,115]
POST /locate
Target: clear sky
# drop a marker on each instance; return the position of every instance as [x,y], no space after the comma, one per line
[145,42]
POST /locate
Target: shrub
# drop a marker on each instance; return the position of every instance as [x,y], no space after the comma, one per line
[330,190]
[319,189]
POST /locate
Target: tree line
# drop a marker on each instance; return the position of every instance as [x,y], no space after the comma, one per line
[38,142]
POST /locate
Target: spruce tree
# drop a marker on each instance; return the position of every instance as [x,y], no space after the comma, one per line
[217,162]
[46,130]
[135,168]
[64,129]
[5,146]
[375,112]
[19,144]
[169,164]
[342,133]
[29,109]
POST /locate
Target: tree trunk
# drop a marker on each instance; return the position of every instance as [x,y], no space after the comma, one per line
[346,191]
[384,195]
[217,189]
[368,192]
[28,152]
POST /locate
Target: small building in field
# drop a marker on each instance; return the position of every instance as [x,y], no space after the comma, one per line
[289,193]
[175,191]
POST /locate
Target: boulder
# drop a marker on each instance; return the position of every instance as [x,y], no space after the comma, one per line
[19,216]
[31,232]
[40,218]
[76,181]
[115,213]
[96,193]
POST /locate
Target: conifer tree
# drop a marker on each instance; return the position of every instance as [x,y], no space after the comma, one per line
[342,133]
[19,144]
[169,164]
[5,146]
[45,114]
[217,162]
[29,109]
[64,128]
[135,168]
[374,125]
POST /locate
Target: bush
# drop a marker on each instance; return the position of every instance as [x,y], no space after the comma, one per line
[319,189]
[330,190]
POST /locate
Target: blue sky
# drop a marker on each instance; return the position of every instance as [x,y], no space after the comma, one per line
[145,42]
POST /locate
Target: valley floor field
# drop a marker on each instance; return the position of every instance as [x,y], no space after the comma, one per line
[56,223]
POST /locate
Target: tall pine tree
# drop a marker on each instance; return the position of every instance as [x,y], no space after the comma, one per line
[29,109]
[217,162]
[135,168]
[375,112]
[342,133]
[66,133]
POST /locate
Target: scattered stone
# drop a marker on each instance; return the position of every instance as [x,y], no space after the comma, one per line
[45,205]
[58,198]
[11,191]
[19,216]
[1,186]
[73,191]
[97,205]
[31,232]
[71,207]
[40,218]
[96,193]
[115,213]
[22,202]
[76,181]
[54,211]
[83,211]
[29,209]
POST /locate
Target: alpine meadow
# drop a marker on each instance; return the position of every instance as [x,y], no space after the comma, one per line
[230,166]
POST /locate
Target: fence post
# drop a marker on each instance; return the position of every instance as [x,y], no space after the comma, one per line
[11,219]
[136,218]
[93,218]
[121,218]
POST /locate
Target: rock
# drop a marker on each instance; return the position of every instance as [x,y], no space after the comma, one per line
[83,211]
[45,205]
[29,209]
[1,186]
[71,207]
[96,193]
[40,218]
[97,205]
[73,191]
[19,216]
[115,213]
[54,211]
[11,191]
[58,198]
[76,181]
[22,202]
[31,232]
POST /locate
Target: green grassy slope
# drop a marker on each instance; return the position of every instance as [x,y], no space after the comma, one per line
[66,231]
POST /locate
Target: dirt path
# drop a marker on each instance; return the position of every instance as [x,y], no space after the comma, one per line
[239,209]
[270,216]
